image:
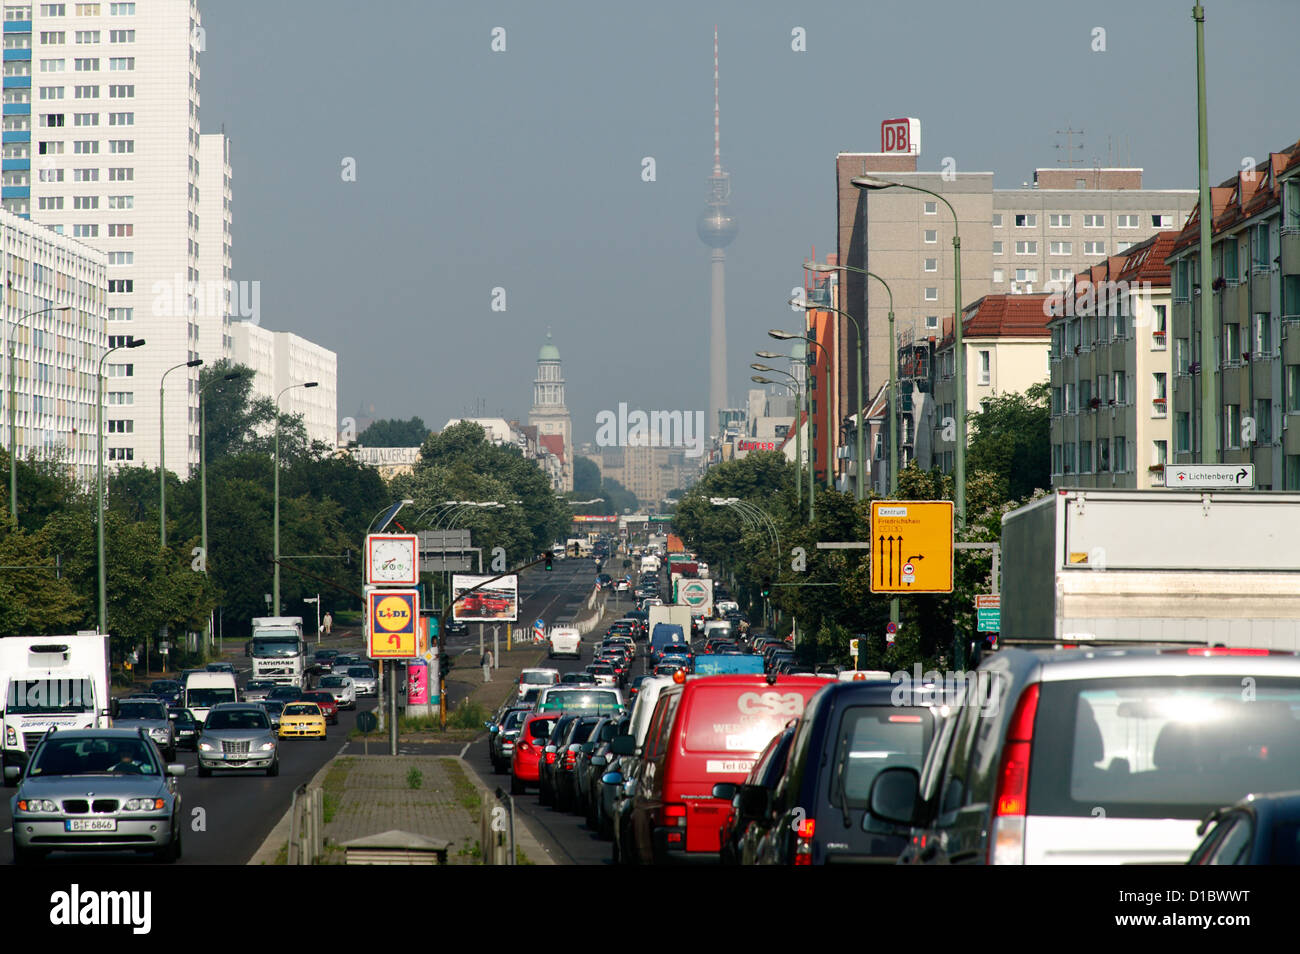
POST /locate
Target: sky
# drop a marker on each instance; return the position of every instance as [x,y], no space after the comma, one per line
[478,170]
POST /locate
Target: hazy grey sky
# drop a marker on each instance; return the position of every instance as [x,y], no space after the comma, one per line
[522,169]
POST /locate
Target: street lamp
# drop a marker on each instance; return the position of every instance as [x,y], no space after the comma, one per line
[315,599]
[162,449]
[13,439]
[99,480]
[808,339]
[959,455]
[275,585]
[798,439]
[893,377]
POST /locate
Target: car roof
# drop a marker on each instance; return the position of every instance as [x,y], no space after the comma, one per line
[234,706]
[1115,662]
[100,733]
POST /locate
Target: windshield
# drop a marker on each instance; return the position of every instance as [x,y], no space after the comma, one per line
[301,709]
[514,719]
[332,682]
[94,757]
[29,696]
[166,686]
[207,698]
[537,678]
[277,644]
[361,672]
[259,684]
[581,699]
[540,728]
[241,719]
[140,710]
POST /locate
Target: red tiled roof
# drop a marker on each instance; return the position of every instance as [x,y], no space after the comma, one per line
[553,443]
[1002,316]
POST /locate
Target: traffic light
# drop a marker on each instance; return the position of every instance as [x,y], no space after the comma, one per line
[575,550]
[549,558]
[767,586]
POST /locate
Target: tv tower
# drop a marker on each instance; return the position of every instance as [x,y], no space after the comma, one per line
[716,229]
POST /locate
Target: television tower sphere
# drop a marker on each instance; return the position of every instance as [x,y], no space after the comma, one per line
[716,227]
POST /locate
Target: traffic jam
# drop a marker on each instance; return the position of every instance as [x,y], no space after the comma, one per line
[701,741]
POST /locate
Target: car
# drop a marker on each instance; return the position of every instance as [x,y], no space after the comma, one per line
[148,713]
[601,700]
[457,627]
[603,673]
[363,679]
[343,660]
[622,586]
[237,736]
[186,728]
[550,756]
[1155,736]
[302,720]
[1257,830]
[168,690]
[273,708]
[503,733]
[136,803]
[564,641]
[324,660]
[704,730]
[564,773]
[529,750]
[342,688]
[634,686]
[750,814]
[255,690]
[220,667]
[590,766]
[329,706]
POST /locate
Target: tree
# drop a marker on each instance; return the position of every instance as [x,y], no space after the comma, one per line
[35,598]
[394,433]
[586,476]
[237,423]
[1011,440]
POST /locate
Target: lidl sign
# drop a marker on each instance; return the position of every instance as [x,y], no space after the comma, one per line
[392,623]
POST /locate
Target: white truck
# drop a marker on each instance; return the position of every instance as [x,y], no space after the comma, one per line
[680,614]
[59,682]
[1217,567]
[564,641]
[203,690]
[279,651]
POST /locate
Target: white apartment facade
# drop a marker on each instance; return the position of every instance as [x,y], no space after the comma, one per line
[217,301]
[107,151]
[282,361]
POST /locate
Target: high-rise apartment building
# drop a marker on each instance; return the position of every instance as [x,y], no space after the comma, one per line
[281,360]
[217,299]
[102,145]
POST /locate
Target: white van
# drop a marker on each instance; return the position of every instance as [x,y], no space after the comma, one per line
[650,564]
[203,690]
[565,641]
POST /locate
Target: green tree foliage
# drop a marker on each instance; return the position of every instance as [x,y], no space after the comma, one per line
[1010,439]
[35,596]
[394,433]
[586,476]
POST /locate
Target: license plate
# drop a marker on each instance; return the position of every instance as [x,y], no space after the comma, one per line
[90,824]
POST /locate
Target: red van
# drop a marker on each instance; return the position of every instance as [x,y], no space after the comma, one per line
[705,730]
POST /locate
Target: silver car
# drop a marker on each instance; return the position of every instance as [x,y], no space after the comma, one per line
[96,790]
[364,680]
[148,713]
[238,736]
[257,689]
[342,688]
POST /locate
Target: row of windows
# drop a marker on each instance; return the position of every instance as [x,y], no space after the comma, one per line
[48,203]
[55,120]
[1107,455]
[61,10]
[88,64]
[56,37]
[115,91]
[1029,220]
[115,174]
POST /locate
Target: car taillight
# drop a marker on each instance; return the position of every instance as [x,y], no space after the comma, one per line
[673,816]
[550,758]
[570,759]
[1007,839]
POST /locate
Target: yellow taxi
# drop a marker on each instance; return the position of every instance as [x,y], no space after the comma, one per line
[302,720]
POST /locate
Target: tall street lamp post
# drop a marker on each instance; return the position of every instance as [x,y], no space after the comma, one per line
[798,431]
[99,480]
[809,339]
[275,586]
[13,438]
[203,469]
[162,449]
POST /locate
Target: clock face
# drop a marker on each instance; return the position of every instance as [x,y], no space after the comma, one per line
[392,561]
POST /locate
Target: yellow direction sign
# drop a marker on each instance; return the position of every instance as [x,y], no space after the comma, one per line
[911,546]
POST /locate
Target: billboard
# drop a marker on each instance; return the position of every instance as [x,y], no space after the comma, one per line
[497,602]
[392,623]
[593,518]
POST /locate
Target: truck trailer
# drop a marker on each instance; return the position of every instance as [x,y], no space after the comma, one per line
[1204,567]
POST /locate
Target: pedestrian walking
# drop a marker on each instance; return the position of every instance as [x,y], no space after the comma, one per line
[486,661]
[328,623]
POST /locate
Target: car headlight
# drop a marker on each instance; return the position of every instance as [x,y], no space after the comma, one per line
[37,805]
[267,746]
[11,737]
[144,805]
[158,733]
[206,747]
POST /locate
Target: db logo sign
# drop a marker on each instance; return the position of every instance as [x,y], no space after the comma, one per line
[901,136]
[770,703]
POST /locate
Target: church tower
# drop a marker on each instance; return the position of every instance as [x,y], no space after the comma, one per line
[550,415]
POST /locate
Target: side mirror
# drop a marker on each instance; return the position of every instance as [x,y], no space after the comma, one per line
[598,760]
[623,745]
[612,778]
[893,796]
[755,801]
[725,791]
[492,727]
[176,768]
[13,773]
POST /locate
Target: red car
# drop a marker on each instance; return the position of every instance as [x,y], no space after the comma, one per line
[329,706]
[524,760]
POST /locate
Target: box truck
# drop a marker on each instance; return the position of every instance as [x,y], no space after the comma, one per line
[1217,567]
[279,651]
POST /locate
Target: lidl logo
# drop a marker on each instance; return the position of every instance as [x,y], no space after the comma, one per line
[394,614]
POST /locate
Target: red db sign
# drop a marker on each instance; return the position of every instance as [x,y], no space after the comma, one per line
[901,136]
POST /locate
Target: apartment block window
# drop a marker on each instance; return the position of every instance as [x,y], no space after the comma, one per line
[1069,458]
[1231,344]
[120,91]
[121,201]
[986,367]
[1103,455]
[121,174]
[931,264]
[1085,457]
[50,175]
[1056,458]
[86,92]
[121,231]
[1291,383]
[1085,393]
[1183,432]
[997,248]
[52,66]
[1291,472]
[931,294]
[1232,426]
[1059,275]
[121,258]
[1291,205]
[1103,389]
[23,96]
[121,370]
[1291,295]
[119,398]
[1061,248]
[1058,221]
[15,177]
[1126,221]
[85,202]
[121,145]
[87,36]
[48,203]
[1263,421]
[121,119]
[931,207]
[1161,221]
[931,236]
[1121,456]
[121,36]
[123,285]
[51,119]
[53,38]
[121,427]
[121,314]
[1026,248]
[121,453]
[1122,247]
[1182,281]
[85,147]
[1070,405]
[54,9]
[1159,394]
[1026,274]
[1263,333]
[1026,220]
[1117,387]
[1094,248]
[16,150]
[1092,221]
[998,276]
[1159,320]
[86,64]
[122,9]
[85,119]
[85,175]
[931,322]
[121,63]
[997,220]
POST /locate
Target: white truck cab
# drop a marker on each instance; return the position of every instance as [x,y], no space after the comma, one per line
[203,690]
